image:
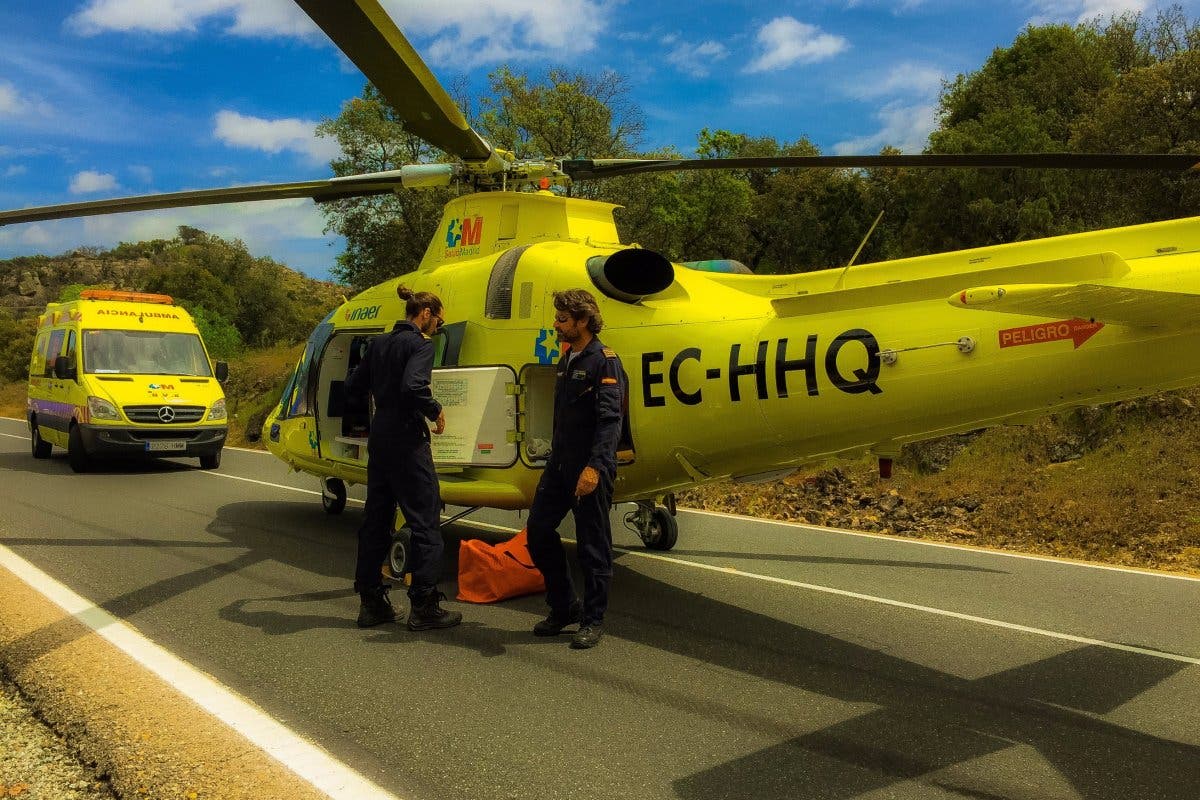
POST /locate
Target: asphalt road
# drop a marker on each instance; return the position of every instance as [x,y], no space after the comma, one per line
[755,660]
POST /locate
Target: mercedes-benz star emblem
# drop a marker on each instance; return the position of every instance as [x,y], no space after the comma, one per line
[166,414]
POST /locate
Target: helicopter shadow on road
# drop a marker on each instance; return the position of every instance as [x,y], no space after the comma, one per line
[57,464]
[928,726]
[301,536]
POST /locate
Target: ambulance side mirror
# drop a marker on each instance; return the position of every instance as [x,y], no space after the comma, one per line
[222,371]
[64,369]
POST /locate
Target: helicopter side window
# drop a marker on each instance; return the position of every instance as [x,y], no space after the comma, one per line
[297,398]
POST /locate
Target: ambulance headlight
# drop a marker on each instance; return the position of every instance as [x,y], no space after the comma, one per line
[99,408]
[217,411]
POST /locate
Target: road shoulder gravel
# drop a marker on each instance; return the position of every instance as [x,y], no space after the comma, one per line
[112,713]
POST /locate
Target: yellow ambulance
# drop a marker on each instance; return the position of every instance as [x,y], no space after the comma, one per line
[124,374]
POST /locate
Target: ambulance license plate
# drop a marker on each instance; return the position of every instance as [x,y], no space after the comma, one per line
[159,445]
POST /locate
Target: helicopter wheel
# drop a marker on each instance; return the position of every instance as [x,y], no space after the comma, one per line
[660,531]
[333,499]
[400,552]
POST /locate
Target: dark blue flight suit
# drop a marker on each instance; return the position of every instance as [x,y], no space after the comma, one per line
[396,370]
[588,395]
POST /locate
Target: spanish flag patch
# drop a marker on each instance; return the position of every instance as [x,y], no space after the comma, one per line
[608,380]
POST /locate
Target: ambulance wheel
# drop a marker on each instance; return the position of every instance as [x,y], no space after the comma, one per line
[662,532]
[210,460]
[77,456]
[333,499]
[40,447]
[400,553]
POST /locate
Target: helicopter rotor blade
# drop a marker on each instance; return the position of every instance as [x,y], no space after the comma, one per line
[592,169]
[374,183]
[367,35]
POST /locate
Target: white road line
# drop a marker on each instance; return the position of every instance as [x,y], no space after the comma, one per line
[941,612]
[305,759]
[272,485]
[842,531]
[1067,637]
[944,545]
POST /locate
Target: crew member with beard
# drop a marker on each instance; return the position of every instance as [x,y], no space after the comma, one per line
[579,475]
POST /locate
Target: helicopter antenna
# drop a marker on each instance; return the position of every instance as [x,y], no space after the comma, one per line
[842,275]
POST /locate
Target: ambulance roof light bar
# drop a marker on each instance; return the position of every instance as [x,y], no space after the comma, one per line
[128,297]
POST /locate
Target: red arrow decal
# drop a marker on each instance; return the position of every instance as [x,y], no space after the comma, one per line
[1077,330]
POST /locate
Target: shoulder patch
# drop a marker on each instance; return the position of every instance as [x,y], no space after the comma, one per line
[608,352]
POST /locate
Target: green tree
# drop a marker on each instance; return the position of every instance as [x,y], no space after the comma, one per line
[563,114]
[220,336]
[1118,85]
[69,292]
[16,343]
[386,235]
[567,114]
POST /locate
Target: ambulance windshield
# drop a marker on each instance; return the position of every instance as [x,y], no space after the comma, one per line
[144,353]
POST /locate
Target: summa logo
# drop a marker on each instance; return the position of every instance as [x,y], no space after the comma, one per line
[463,235]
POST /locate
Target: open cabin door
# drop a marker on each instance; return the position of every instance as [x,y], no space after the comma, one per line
[480,404]
[537,413]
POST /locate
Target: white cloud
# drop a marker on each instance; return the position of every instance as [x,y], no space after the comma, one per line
[1082,10]
[34,235]
[15,170]
[785,41]
[903,126]
[243,17]
[258,224]
[90,181]
[695,59]
[489,31]
[15,104]
[143,173]
[905,78]
[759,100]
[464,34]
[290,231]
[9,102]
[274,135]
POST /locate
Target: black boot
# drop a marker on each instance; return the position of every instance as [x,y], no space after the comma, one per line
[553,624]
[376,608]
[427,613]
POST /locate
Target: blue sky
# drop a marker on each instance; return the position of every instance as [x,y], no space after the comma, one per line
[104,98]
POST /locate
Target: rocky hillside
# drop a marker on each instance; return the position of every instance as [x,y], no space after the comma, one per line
[28,283]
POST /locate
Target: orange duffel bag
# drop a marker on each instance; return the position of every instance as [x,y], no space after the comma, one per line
[491,572]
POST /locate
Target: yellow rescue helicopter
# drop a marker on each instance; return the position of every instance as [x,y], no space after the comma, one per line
[732,375]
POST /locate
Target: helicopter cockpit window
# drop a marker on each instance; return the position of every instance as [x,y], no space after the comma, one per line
[498,304]
[296,400]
